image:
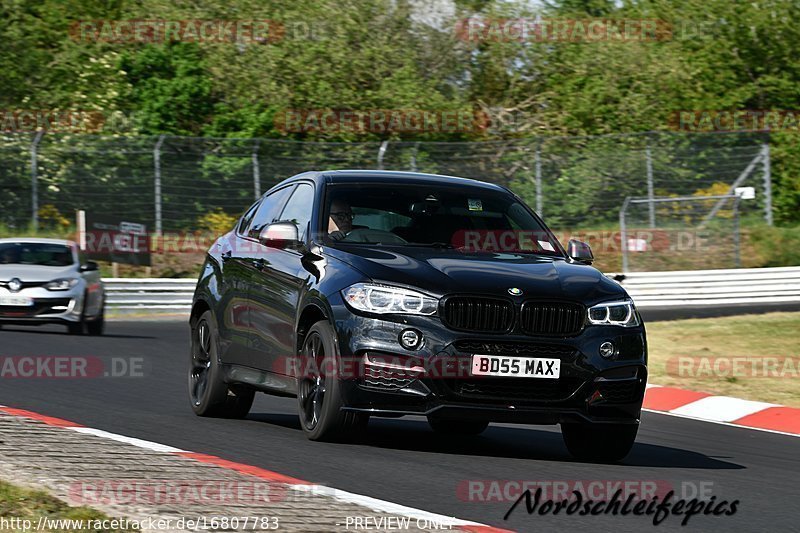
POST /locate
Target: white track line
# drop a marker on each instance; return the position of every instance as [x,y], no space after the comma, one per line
[721,408]
[146,444]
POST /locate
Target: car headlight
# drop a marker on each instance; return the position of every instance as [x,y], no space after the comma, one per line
[621,313]
[61,284]
[381,299]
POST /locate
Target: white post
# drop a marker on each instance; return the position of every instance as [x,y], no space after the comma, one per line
[35,180]
[81,222]
[157,182]
[767,185]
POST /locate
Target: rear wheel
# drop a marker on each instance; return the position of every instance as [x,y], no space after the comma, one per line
[319,398]
[458,427]
[599,442]
[208,393]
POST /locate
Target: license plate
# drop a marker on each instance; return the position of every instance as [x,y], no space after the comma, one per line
[522,367]
[16,300]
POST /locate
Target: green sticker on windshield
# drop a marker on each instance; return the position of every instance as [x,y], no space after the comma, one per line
[474,205]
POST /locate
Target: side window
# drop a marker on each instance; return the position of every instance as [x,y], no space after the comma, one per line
[268,211]
[244,224]
[298,209]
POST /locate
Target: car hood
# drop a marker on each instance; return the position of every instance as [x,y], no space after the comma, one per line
[441,272]
[36,272]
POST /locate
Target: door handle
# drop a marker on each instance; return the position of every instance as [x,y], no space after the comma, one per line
[260,264]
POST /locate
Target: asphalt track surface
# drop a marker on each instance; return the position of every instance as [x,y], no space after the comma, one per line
[401,460]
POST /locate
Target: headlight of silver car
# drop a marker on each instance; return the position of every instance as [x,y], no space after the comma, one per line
[382,299]
[61,284]
[622,313]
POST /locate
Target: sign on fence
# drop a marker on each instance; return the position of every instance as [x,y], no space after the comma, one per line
[117,241]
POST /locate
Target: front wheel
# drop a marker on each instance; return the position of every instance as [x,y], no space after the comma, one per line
[208,393]
[319,398]
[96,326]
[599,442]
[75,328]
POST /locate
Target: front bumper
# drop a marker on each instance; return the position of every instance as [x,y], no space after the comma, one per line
[439,383]
[49,307]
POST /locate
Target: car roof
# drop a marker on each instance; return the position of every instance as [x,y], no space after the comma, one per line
[396,176]
[37,240]
[385,176]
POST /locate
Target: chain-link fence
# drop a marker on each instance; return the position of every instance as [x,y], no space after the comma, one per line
[170,183]
[690,233]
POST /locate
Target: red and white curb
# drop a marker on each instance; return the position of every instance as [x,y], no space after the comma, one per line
[374,504]
[723,409]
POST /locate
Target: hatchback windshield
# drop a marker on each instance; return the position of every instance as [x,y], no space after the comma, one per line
[31,253]
[469,219]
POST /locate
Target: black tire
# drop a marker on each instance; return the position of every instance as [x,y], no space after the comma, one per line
[96,326]
[75,328]
[599,442]
[319,400]
[208,393]
[458,427]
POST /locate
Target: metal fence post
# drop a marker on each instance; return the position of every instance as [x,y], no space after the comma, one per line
[381,152]
[35,180]
[414,152]
[157,182]
[623,234]
[652,207]
[256,172]
[539,198]
[736,234]
[767,186]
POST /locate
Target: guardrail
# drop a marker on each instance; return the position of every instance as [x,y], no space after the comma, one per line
[648,289]
[149,294]
[713,287]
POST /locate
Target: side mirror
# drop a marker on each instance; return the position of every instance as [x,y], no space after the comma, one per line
[89,266]
[279,235]
[580,251]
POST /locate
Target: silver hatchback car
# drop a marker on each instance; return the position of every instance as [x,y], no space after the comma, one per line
[42,281]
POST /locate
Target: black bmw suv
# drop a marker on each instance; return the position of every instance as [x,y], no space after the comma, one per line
[372,293]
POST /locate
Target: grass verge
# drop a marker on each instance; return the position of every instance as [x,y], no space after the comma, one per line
[755,357]
[18,504]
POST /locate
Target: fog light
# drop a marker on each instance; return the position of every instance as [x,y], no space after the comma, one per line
[607,349]
[411,339]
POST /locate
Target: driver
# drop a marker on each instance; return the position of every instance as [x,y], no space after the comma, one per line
[340,222]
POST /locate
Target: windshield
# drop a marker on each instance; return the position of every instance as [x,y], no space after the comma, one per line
[469,219]
[30,253]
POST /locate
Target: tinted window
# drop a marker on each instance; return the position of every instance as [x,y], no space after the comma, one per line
[470,219]
[379,218]
[298,209]
[268,211]
[35,254]
[244,224]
